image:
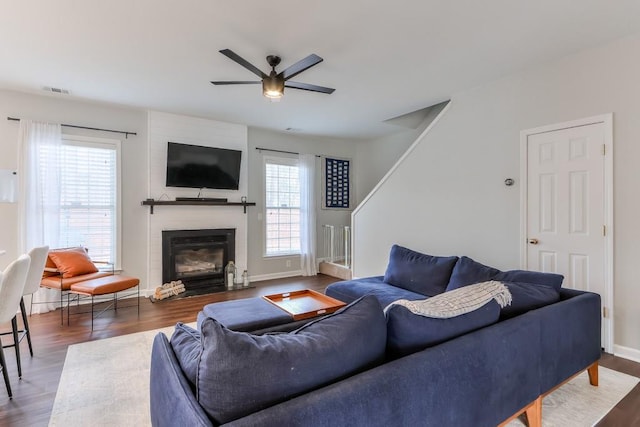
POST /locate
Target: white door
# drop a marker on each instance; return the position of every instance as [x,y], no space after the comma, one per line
[567,207]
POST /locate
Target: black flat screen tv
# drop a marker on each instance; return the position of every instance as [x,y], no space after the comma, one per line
[195,166]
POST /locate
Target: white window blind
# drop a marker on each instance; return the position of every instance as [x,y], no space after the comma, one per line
[282,206]
[89,212]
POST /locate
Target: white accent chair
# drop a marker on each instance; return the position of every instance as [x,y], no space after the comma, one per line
[34,276]
[13,279]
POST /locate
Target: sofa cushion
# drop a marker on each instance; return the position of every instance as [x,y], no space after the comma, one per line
[350,290]
[528,296]
[525,276]
[72,262]
[240,373]
[468,271]
[417,272]
[187,347]
[408,332]
[245,314]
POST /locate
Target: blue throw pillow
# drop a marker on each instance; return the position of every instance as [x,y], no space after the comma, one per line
[535,277]
[408,332]
[424,274]
[467,272]
[528,296]
[185,342]
[240,373]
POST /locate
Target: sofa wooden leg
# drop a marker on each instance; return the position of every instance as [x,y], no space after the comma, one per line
[534,413]
[593,374]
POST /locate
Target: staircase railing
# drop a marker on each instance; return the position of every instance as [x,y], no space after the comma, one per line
[337,244]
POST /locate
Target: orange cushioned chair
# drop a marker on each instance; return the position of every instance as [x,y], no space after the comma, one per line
[64,267]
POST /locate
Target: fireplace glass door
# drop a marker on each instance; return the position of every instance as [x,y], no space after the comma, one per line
[195,261]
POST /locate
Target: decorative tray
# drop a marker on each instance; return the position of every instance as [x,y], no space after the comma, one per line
[304,304]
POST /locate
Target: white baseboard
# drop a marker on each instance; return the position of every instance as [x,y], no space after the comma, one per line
[626,353]
[336,261]
[147,292]
[271,276]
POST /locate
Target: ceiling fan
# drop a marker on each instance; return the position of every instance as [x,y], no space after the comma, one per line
[273,84]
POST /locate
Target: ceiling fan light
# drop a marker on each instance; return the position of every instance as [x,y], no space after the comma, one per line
[273,88]
[274,94]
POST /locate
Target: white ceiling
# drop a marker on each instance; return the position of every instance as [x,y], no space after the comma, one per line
[385,58]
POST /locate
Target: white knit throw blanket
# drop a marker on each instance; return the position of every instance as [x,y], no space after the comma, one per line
[459,301]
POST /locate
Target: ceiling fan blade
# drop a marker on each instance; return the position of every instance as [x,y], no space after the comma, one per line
[236,83]
[240,60]
[300,66]
[306,86]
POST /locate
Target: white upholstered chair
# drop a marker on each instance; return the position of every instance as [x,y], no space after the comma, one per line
[34,276]
[11,287]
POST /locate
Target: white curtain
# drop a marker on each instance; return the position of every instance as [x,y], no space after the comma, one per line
[39,194]
[307,168]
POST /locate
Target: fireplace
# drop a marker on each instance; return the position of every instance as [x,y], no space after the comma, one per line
[197,257]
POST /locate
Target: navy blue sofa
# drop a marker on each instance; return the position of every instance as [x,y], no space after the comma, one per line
[480,378]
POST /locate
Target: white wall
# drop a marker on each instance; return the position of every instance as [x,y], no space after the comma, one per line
[448,196]
[272,267]
[377,157]
[164,127]
[62,109]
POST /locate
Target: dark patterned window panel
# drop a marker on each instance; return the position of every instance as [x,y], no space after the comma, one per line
[337,183]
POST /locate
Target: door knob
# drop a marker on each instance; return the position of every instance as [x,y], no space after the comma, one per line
[533,241]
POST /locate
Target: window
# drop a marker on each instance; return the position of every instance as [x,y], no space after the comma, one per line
[89,196]
[282,206]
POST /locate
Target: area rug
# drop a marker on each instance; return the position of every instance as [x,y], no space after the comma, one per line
[106,383]
[578,404]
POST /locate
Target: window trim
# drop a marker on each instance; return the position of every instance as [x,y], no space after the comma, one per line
[116,144]
[290,160]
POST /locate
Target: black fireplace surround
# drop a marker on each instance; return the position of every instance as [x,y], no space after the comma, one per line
[197,257]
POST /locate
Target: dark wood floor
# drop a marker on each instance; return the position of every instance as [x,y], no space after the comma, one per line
[33,396]
[627,411]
